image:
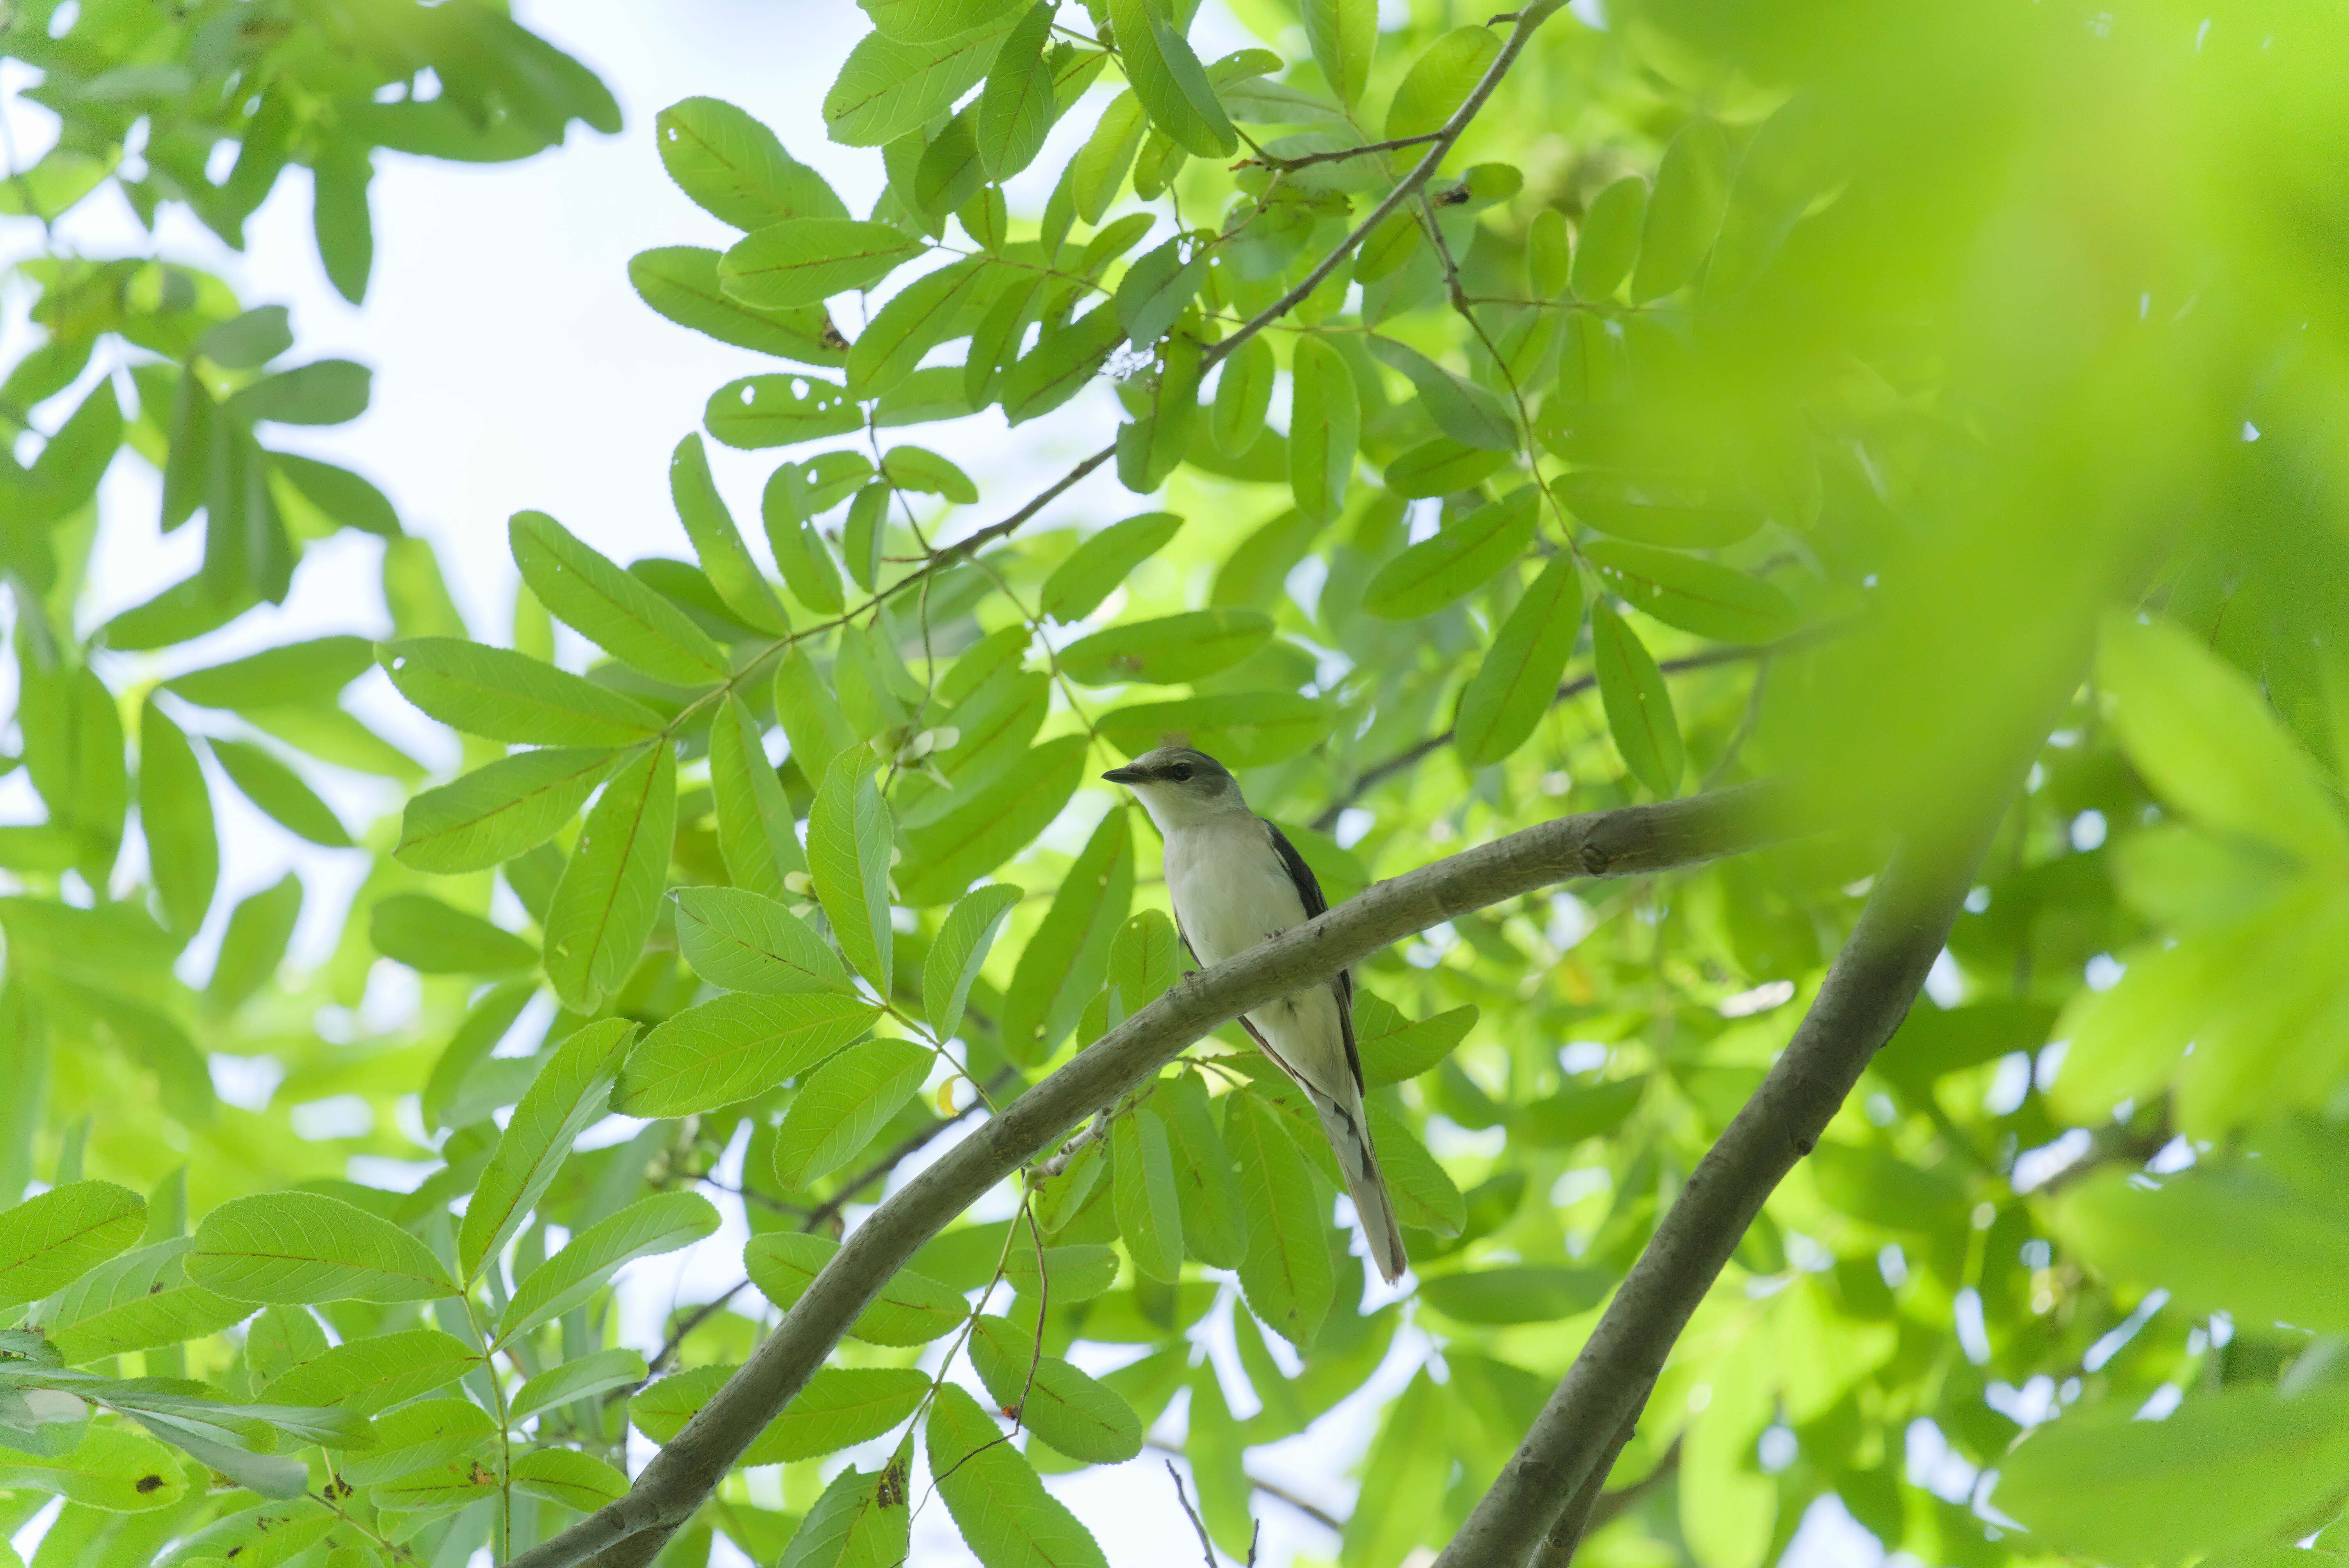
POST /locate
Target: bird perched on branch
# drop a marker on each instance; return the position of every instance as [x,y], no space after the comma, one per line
[1235,880]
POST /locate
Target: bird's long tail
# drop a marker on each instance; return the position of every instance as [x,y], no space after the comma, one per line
[1349,1138]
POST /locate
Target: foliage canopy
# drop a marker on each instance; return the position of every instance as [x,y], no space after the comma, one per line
[1538,415]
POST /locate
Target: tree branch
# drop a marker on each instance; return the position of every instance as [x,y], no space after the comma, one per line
[1623,842]
[1867,992]
[1528,21]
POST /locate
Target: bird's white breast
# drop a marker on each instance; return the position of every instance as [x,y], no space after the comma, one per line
[1229,888]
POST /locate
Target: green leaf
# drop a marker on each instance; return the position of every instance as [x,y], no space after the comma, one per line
[278,790]
[1343,36]
[1017,109]
[604,907]
[376,1372]
[1168,80]
[1469,414]
[806,261]
[1099,168]
[309,671]
[851,1525]
[993,823]
[924,472]
[727,1050]
[1712,601]
[255,944]
[1528,1293]
[1143,960]
[560,1385]
[1077,1415]
[1463,554]
[1168,650]
[1684,212]
[717,543]
[1287,1273]
[680,282]
[1063,361]
[49,1241]
[911,1308]
[340,495]
[1103,562]
[746,941]
[801,555]
[175,813]
[848,847]
[249,341]
[734,168]
[1063,963]
[1166,408]
[611,608]
[1149,1214]
[296,1247]
[840,1408]
[755,834]
[2232,1239]
[862,536]
[579,1481]
[1325,422]
[887,88]
[1243,397]
[960,950]
[998,1502]
[1403,1479]
[810,716]
[928,311]
[500,810]
[500,695]
[1394,1047]
[1159,287]
[1439,81]
[1214,1231]
[1610,240]
[2197,731]
[934,21]
[324,392]
[759,411]
[1519,677]
[569,1094]
[843,1104]
[1605,503]
[1639,709]
[660,1222]
[119,1471]
[436,1432]
[1245,729]
[431,938]
[1075,1273]
[2228,1469]
[1442,467]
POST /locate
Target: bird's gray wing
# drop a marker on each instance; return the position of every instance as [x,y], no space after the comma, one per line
[1309,892]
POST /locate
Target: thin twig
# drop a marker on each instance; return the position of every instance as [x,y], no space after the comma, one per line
[1278,1493]
[1206,1547]
[1410,756]
[1528,21]
[1306,160]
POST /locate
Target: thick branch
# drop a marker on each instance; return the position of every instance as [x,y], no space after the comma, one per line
[1621,842]
[1866,992]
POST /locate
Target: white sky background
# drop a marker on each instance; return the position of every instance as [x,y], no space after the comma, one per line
[516,367]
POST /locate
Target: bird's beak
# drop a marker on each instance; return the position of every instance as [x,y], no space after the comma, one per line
[1125,776]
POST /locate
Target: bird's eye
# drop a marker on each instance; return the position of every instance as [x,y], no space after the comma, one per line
[1180,773]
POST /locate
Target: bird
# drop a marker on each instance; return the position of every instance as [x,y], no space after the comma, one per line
[1236,881]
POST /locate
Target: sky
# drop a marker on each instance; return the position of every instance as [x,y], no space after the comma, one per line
[516,367]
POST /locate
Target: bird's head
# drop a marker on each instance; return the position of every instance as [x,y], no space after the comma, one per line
[1178,785]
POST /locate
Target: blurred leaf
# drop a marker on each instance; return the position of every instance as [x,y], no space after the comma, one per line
[431,938]
[1343,36]
[1610,240]
[278,790]
[175,814]
[2230,1239]
[1324,426]
[1103,562]
[1167,651]
[1439,81]
[1692,594]
[1520,1294]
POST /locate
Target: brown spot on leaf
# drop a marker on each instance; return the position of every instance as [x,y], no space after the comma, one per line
[146,1483]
